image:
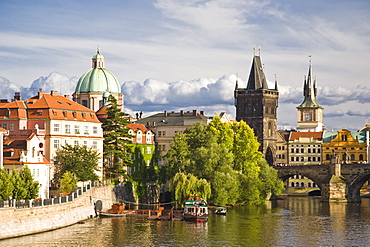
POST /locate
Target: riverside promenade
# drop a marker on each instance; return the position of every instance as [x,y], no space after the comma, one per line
[64,211]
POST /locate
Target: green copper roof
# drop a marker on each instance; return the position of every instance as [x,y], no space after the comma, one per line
[98,80]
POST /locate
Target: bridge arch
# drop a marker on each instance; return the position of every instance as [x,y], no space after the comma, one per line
[354,185]
[286,175]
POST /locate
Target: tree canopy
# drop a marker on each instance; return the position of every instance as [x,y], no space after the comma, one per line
[82,161]
[20,185]
[116,139]
[225,155]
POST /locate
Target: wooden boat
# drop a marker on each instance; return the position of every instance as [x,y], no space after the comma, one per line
[195,209]
[220,210]
[117,210]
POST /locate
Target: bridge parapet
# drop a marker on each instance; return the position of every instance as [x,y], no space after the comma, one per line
[336,181]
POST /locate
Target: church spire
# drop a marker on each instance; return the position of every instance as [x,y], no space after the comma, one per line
[257,78]
[309,89]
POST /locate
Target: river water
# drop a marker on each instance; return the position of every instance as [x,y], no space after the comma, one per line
[293,221]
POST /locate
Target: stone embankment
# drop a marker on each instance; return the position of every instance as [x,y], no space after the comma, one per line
[23,221]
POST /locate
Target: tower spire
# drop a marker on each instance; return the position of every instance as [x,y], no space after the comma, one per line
[309,88]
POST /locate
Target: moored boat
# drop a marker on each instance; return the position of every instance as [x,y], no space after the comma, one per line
[117,210]
[195,209]
[220,210]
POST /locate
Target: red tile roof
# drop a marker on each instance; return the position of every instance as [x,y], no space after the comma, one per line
[297,135]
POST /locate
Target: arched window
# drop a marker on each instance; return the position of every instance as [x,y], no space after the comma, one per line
[352,157]
[327,157]
[302,184]
[361,157]
[292,184]
[296,184]
[309,184]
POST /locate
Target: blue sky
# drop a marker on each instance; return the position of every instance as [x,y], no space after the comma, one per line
[173,55]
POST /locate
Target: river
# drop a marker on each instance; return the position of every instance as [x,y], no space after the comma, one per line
[294,221]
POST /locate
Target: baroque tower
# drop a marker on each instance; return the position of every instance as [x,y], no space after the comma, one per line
[257,106]
[96,85]
[310,112]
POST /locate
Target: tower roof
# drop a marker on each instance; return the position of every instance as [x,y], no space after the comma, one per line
[257,78]
[98,79]
[309,91]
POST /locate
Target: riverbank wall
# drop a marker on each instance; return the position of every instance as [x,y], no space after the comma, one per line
[17,222]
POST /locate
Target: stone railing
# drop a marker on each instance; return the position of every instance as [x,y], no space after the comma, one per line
[51,201]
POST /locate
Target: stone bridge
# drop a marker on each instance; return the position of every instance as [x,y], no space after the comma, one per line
[337,182]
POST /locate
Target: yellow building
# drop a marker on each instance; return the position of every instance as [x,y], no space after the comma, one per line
[350,147]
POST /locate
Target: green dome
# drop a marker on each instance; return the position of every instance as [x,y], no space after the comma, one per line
[98,80]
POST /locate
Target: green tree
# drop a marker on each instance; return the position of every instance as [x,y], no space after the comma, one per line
[19,190]
[184,185]
[116,140]
[227,156]
[31,186]
[68,182]
[6,185]
[82,161]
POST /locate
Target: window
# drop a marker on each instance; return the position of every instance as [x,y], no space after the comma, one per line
[291,158]
[56,143]
[74,114]
[297,150]
[95,145]
[56,127]
[302,150]
[159,133]
[283,156]
[308,158]
[84,103]
[85,143]
[163,133]
[361,158]
[86,130]
[95,130]
[352,157]
[309,150]
[64,113]
[77,129]
[148,150]
[67,129]
[313,158]
[344,138]
[296,158]
[76,143]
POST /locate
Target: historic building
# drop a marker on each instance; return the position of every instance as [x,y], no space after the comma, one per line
[55,120]
[257,106]
[349,147]
[165,125]
[96,84]
[28,150]
[310,112]
[282,151]
[305,148]
[143,147]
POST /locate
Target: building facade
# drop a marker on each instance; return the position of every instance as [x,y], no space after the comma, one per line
[349,147]
[257,106]
[56,121]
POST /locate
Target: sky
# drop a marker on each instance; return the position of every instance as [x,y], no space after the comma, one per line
[172,55]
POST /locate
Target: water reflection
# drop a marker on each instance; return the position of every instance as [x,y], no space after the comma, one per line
[293,221]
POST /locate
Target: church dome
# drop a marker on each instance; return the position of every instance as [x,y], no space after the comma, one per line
[98,79]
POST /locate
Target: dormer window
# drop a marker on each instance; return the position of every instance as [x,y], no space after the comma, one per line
[74,114]
[65,113]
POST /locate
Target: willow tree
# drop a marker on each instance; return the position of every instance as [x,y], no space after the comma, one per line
[184,185]
[227,156]
[117,151]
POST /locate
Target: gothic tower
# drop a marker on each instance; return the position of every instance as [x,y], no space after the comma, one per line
[310,112]
[257,106]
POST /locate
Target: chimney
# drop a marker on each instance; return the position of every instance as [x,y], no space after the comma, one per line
[53,93]
[67,96]
[182,112]
[195,112]
[165,113]
[202,113]
[17,96]
[39,94]
[3,101]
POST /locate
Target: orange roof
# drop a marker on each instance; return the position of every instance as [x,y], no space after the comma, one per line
[135,127]
[47,106]
[297,135]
